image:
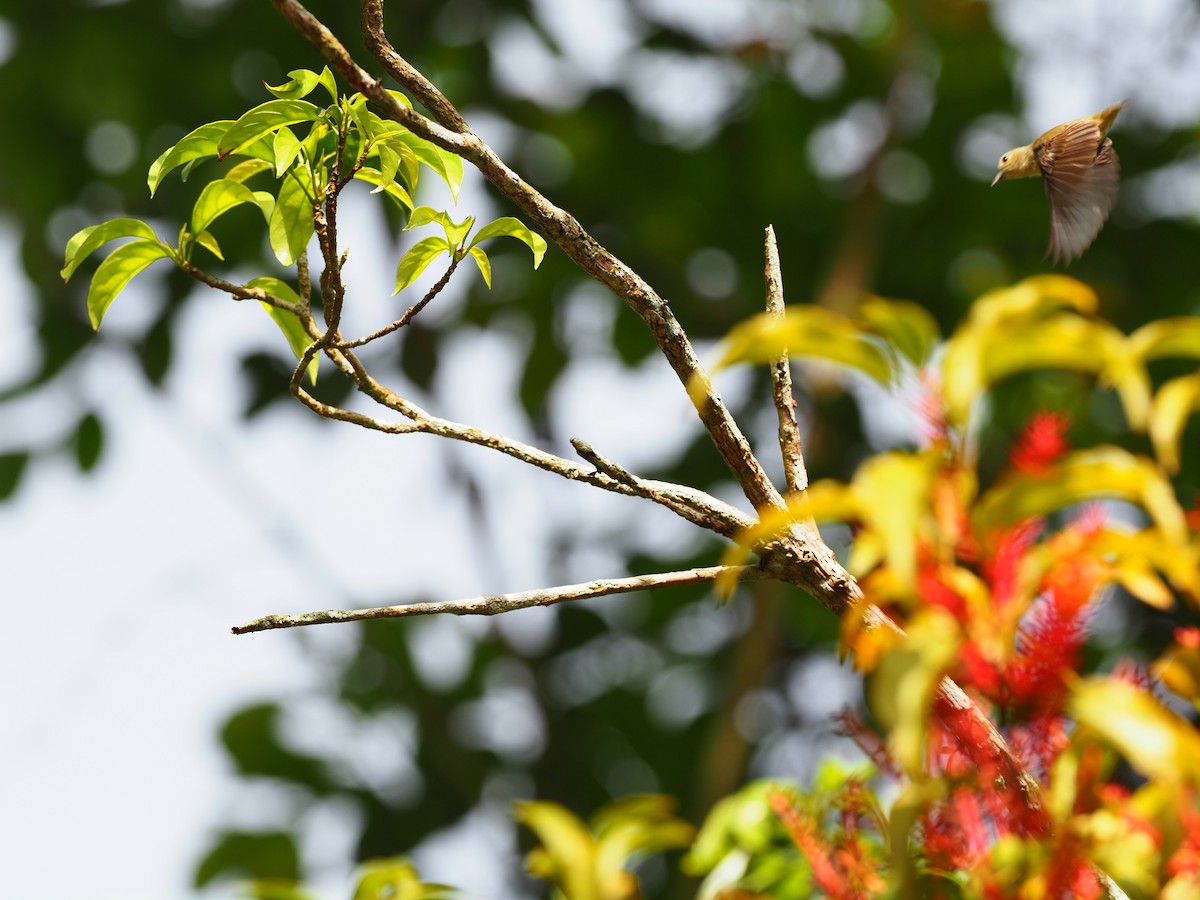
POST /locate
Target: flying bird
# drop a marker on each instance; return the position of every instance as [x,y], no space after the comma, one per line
[1079,169]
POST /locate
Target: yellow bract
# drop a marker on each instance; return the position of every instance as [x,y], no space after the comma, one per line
[1096,473]
[1155,741]
[590,863]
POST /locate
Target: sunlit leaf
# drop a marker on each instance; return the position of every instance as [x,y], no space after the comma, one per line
[417,259]
[396,879]
[209,243]
[805,331]
[485,264]
[567,855]
[1097,473]
[247,168]
[978,356]
[291,223]
[86,240]
[1033,297]
[1163,338]
[301,83]
[328,82]
[389,165]
[902,686]
[264,119]
[196,145]
[222,195]
[114,273]
[289,323]
[1155,741]
[511,227]
[456,232]
[1173,405]
[1179,669]
[907,326]
[633,827]
[447,165]
[286,147]
[392,188]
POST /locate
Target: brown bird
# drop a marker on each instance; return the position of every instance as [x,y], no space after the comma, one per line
[1079,169]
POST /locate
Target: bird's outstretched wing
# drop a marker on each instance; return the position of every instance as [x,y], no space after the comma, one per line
[1080,170]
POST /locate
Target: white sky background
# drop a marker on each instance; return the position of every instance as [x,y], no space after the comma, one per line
[120,587]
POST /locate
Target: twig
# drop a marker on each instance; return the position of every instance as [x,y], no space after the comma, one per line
[495,604]
[795,476]
[240,291]
[690,503]
[408,315]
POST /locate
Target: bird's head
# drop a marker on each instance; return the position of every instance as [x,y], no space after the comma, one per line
[1019,162]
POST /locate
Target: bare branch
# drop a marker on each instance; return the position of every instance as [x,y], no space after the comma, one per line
[495,604]
[561,227]
[794,474]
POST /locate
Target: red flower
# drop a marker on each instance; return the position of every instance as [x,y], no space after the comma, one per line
[1041,442]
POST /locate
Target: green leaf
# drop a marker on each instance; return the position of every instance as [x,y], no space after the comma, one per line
[196,145]
[287,147]
[222,195]
[485,264]
[84,241]
[264,119]
[447,165]
[456,232]
[88,442]
[508,226]
[114,273]
[328,82]
[291,224]
[289,323]
[393,189]
[417,259]
[389,165]
[301,84]
[209,243]
[247,168]
[12,467]
[905,325]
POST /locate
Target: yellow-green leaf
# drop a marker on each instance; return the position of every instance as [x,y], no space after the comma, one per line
[1173,405]
[114,273]
[196,145]
[515,228]
[805,331]
[417,259]
[980,354]
[907,326]
[289,323]
[485,264]
[222,195]
[1091,474]
[1155,741]
[1033,297]
[392,188]
[263,120]
[567,855]
[86,240]
[902,686]
[1175,337]
[291,222]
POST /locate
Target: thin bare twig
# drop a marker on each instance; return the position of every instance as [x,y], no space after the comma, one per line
[495,604]
[408,315]
[794,474]
[240,291]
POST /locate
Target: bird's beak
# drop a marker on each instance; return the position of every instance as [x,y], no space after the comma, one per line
[996,180]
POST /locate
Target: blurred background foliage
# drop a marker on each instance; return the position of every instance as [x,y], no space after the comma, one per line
[864,130]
